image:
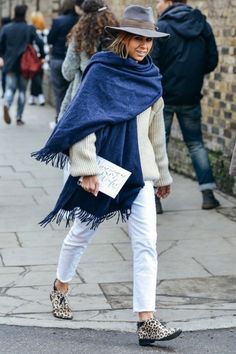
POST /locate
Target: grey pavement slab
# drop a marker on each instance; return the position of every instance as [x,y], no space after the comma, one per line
[48,255]
[8,239]
[9,201]
[207,247]
[21,208]
[21,192]
[179,268]
[194,224]
[224,264]
[22,223]
[196,271]
[83,297]
[110,271]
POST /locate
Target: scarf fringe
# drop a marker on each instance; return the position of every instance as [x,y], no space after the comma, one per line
[84,216]
[58,160]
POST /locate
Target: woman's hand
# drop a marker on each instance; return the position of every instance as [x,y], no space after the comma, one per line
[163,191]
[90,184]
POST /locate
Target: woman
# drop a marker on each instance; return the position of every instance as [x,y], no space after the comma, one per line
[61,26]
[36,89]
[110,116]
[85,38]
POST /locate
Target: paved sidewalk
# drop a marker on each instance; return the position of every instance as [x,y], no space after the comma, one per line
[197,272]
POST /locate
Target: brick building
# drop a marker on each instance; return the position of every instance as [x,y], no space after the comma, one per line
[219,101]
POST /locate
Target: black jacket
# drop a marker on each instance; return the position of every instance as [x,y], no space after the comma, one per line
[61,26]
[186,56]
[14,38]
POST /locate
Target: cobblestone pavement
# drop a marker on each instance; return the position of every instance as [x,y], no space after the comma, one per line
[197,272]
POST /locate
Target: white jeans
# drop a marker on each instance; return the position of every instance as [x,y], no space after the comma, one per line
[143,235]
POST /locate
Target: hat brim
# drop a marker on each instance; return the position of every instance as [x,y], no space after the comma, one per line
[138,31]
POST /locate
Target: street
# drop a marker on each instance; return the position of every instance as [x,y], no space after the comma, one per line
[32,340]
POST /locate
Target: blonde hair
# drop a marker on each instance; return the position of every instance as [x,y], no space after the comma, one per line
[118,46]
[37,20]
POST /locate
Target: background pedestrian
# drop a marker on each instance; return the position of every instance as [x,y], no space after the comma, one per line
[14,38]
[86,38]
[61,26]
[184,59]
[4,21]
[36,87]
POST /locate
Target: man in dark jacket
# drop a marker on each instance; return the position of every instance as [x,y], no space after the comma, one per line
[14,38]
[189,53]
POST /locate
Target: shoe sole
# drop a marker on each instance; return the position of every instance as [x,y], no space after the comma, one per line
[6,115]
[20,122]
[210,206]
[146,342]
[63,318]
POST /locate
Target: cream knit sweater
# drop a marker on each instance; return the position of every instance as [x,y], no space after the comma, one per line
[152,149]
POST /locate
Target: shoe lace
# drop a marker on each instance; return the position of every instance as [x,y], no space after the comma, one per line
[64,300]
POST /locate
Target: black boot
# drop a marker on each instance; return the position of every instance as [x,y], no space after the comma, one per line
[159,209]
[209,201]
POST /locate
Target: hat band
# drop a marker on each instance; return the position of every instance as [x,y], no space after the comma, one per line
[136,23]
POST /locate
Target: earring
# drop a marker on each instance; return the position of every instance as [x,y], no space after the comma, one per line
[124,53]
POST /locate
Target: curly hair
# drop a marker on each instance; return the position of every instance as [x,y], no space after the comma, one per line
[89,30]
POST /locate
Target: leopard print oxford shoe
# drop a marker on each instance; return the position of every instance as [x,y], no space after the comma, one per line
[60,305]
[153,330]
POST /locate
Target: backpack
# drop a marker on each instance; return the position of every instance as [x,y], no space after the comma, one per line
[30,64]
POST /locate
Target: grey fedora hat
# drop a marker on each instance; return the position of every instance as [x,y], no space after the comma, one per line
[137,20]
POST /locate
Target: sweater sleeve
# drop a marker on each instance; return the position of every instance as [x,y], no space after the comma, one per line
[157,138]
[83,157]
[71,63]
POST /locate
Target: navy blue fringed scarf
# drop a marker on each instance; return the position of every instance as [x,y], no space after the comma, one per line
[112,93]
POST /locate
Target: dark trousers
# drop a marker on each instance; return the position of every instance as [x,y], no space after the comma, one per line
[59,84]
[36,84]
[189,118]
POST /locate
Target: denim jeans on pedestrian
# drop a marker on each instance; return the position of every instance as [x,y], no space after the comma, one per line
[59,84]
[189,118]
[15,81]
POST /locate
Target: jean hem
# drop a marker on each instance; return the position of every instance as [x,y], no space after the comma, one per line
[63,281]
[144,310]
[206,186]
